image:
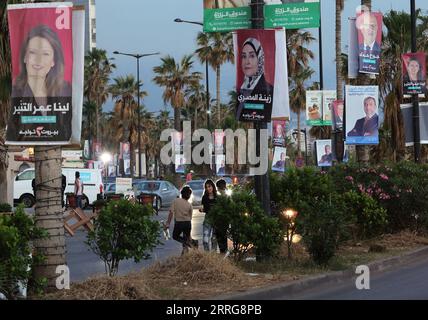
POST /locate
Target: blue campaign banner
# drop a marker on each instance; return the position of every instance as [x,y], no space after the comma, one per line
[362,140]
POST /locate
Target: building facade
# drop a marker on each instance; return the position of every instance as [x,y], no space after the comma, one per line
[90,23]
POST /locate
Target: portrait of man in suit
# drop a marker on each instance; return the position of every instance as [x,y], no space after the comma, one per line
[369,45]
[280,164]
[369,125]
[327,157]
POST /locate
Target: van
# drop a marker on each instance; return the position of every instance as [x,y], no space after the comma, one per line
[91,178]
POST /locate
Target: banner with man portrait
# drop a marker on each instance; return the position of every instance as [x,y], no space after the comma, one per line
[369,26]
[324,153]
[43,74]
[337,114]
[279,159]
[255,80]
[414,73]
[362,119]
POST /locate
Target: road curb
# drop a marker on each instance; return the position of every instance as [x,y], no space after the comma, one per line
[331,278]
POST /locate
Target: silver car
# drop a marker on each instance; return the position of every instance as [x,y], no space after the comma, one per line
[165,191]
[197,187]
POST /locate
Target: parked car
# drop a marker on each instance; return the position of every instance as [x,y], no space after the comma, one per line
[197,187]
[165,191]
[91,178]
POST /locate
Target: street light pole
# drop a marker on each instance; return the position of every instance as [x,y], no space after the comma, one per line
[178,20]
[138,57]
[415,97]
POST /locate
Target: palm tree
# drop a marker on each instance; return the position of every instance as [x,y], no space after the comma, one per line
[298,97]
[175,78]
[196,102]
[98,69]
[123,91]
[217,49]
[396,41]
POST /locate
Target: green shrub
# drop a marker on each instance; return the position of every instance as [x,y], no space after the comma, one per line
[323,225]
[123,230]
[5,207]
[368,217]
[244,221]
[17,232]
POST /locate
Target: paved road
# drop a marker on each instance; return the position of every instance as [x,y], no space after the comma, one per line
[83,263]
[403,283]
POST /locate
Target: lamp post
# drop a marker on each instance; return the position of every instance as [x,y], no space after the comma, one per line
[138,57]
[178,20]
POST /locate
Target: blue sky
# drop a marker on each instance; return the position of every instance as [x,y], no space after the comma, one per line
[145,26]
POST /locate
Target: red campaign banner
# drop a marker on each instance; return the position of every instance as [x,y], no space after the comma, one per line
[41,40]
[414,73]
[279,132]
[255,71]
[369,26]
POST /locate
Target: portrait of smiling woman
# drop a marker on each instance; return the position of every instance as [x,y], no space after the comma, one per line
[41,63]
[253,68]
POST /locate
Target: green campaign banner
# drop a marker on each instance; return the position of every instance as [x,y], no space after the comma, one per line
[293,15]
[228,19]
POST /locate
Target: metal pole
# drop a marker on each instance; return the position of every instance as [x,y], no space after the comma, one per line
[139,119]
[320,49]
[306,147]
[415,97]
[208,95]
[262,186]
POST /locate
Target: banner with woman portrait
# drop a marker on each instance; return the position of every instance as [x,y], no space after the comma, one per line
[414,73]
[279,132]
[255,81]
[41,39]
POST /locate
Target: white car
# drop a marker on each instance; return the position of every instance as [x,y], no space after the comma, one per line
[91,178]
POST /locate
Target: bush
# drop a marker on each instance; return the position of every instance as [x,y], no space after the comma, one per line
[366,214]
[244,221]
[323,226]
[123,230]
[5,207]
[16,262]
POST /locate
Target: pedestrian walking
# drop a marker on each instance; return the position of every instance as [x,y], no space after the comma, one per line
[78,189]
[181,210]
[208,200]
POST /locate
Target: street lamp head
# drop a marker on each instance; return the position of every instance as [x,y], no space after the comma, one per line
[178,20]
[115,52]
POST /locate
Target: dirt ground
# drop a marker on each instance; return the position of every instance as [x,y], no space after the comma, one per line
[200,275]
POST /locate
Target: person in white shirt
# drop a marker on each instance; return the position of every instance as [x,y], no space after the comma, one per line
[78,189]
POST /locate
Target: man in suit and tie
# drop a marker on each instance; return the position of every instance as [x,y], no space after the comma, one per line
[369,48]
[369,125]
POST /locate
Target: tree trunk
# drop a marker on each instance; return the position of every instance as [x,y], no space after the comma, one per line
[3,174]
[177,126]
[49,213]
[218,97]
[363,152]
[299,151]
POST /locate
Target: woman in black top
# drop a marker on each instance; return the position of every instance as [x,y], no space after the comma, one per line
[208,200]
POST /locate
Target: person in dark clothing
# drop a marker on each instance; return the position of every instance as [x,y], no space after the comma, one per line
[208,200]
